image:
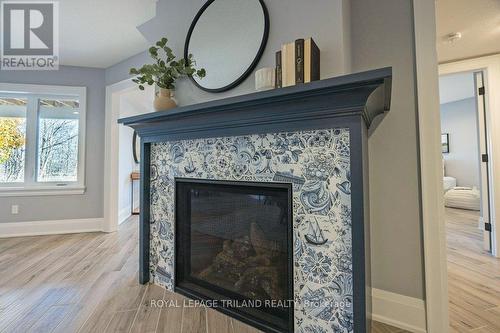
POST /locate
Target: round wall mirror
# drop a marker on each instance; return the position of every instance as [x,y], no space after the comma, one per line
[227,38]
[136,148]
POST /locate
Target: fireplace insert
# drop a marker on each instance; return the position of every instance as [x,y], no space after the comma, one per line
[234,249]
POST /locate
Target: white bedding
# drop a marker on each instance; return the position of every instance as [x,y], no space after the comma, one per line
[463,197]
[449,183]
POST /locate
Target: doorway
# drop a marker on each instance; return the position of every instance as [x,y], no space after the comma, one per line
[472,249]
[123,99]
[466,170]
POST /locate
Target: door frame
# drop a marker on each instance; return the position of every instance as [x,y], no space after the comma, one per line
[431,174]
[490,65]
[484,148]
[111,155]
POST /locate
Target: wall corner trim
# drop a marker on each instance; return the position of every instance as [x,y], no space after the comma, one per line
[124,214]
[50,227]
[397,310]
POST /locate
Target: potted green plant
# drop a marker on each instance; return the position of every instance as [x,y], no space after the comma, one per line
[163,72]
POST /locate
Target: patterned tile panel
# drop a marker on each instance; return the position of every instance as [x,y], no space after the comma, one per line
[317,163]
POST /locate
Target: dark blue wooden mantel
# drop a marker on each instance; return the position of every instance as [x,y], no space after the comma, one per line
[350,101]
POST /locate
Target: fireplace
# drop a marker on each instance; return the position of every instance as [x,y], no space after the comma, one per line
[234,249]
[312,137]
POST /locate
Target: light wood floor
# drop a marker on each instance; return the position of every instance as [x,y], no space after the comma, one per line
[88,283]
[473,276]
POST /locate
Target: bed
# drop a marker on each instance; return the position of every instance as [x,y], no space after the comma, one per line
[463,198]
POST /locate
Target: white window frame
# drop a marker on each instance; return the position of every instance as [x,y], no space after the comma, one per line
[30,187]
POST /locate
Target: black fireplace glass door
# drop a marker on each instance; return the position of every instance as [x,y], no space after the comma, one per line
[233,243]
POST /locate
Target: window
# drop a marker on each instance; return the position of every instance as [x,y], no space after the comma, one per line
[57,140]
[12,139]
[42,135]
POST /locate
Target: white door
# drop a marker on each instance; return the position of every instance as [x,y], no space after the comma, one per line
[484,158]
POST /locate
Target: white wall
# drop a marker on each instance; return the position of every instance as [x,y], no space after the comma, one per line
[455,87]
[459,120]
[131,103]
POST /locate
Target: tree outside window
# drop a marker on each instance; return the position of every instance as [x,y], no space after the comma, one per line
[41,137]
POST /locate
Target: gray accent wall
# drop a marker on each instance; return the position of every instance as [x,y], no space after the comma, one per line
[382,35]
[459,120]
[89,204]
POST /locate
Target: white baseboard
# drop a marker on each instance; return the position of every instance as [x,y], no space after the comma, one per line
[124,214]
[55,227]
[404,312]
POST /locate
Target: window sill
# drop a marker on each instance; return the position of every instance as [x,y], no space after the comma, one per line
[41,191]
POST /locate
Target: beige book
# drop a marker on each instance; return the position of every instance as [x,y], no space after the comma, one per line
[283,65]
[290,64]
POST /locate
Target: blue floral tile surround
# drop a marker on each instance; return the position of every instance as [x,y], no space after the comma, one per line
[317,163]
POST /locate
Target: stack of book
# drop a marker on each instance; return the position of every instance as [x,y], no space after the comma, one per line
[297,62]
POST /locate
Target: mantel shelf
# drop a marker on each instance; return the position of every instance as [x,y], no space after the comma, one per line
[367,94]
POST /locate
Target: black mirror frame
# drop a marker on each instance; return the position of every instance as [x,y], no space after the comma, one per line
[134,148]
[252,65]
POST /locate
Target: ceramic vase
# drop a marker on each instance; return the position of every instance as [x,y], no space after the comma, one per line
[164,101]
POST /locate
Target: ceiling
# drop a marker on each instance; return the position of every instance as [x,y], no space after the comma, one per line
[477,20]
[101,33]
[455,87]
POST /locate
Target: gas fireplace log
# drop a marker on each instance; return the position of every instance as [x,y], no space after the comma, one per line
[247,262]
[257,278]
